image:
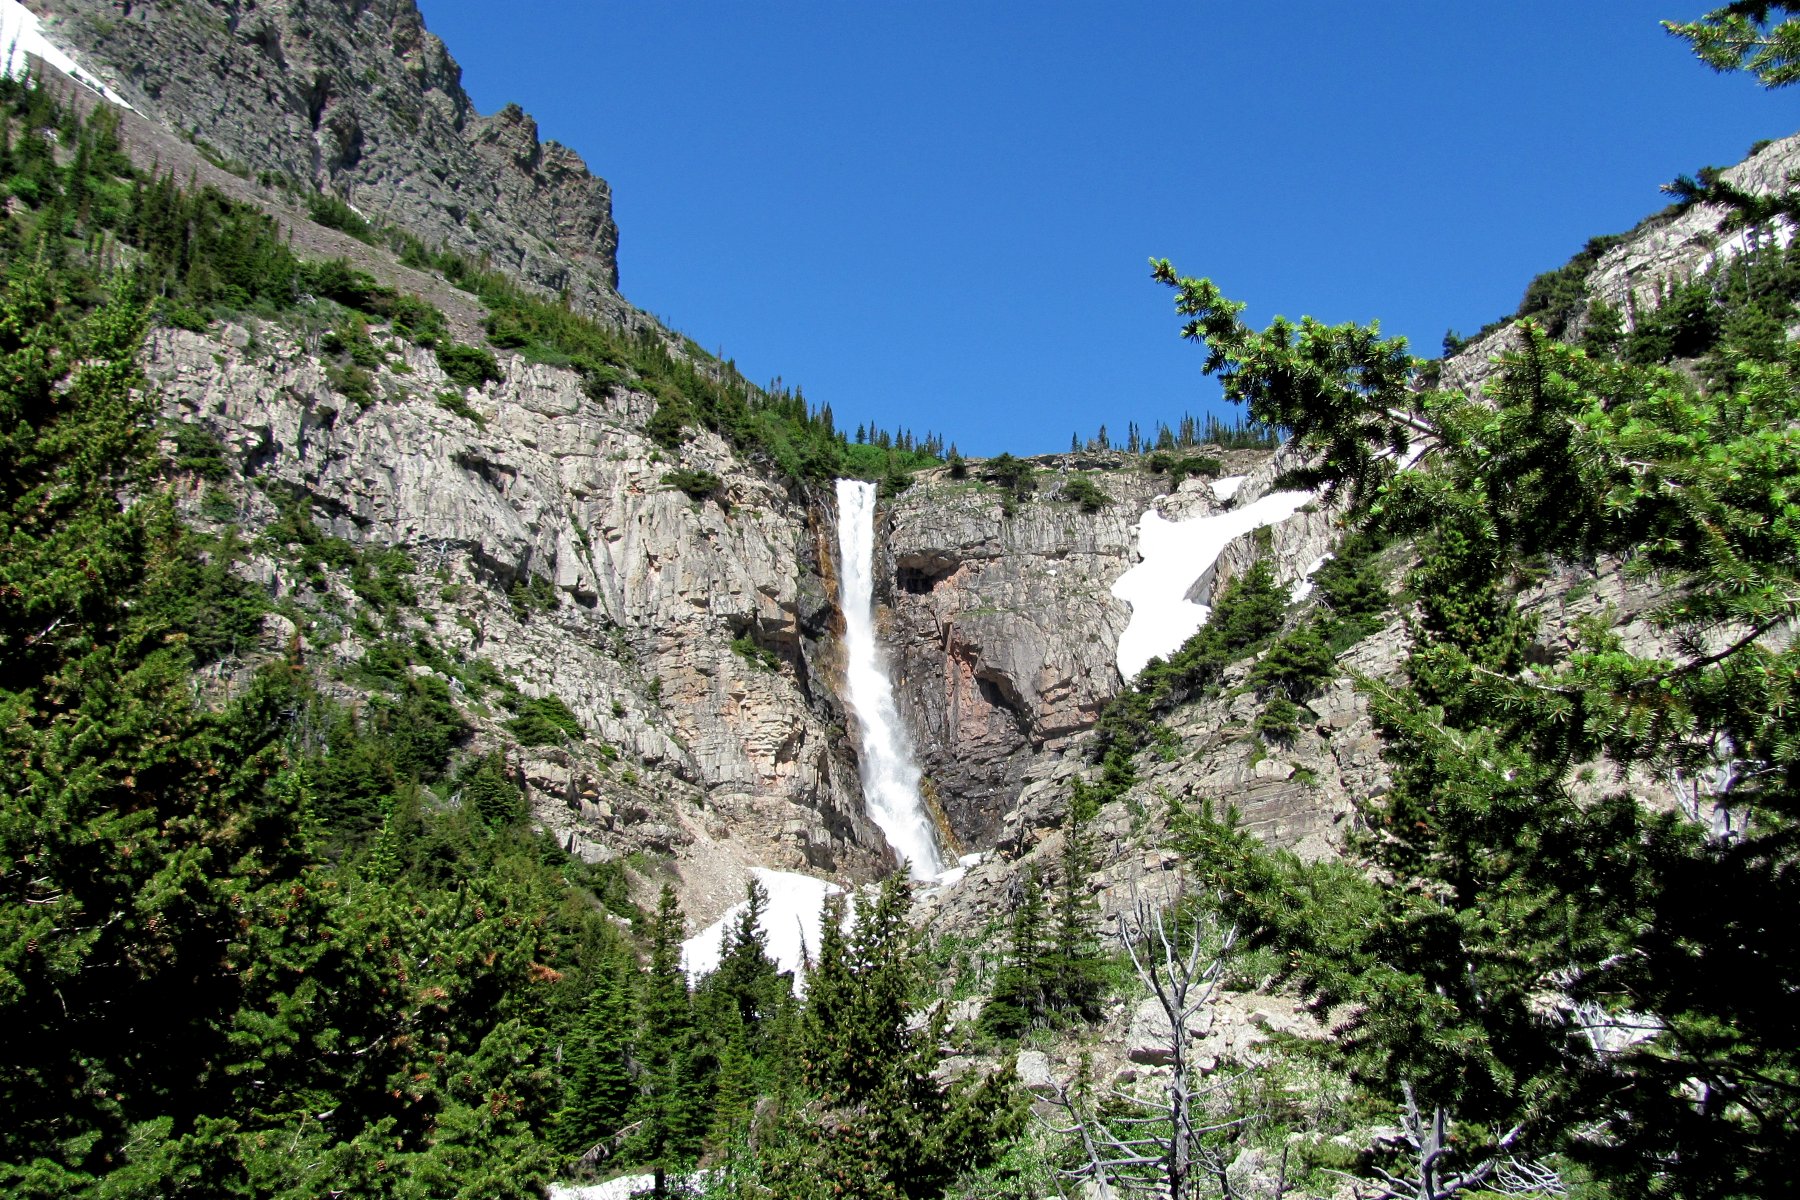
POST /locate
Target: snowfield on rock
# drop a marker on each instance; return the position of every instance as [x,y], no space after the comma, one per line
[22,35]
[1175,555]
[791,924]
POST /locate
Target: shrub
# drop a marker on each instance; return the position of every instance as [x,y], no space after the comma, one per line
[1079,489]
[544,721]
[468,366]
[1296,666]
[333,213]
[697,484]
[458,403]
[353,383]
[757,656]
[418,321]
[493,797]
[198,451]
[1179,467]
[1016,477]
[532,593]
[1279,720]
[601,381]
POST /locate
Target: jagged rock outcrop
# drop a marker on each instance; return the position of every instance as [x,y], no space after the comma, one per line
[358,99]
[1667,247]
[1630,276]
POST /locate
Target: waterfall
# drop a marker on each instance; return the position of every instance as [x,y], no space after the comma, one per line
[890,776]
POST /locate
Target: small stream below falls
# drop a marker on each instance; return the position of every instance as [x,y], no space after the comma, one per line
[890,773]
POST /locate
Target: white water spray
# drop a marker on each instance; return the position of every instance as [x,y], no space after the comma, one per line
[890,776]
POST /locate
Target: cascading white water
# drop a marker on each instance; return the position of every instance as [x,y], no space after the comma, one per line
[890,776]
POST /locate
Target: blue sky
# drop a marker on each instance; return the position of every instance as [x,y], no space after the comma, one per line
[939,215]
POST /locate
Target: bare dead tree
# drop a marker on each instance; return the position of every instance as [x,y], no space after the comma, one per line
[1168,1144]
[1431,1174]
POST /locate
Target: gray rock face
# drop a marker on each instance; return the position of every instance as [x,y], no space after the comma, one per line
[356,98]
[1631,275]
[1033,1070]
[1002,630]
[692,749]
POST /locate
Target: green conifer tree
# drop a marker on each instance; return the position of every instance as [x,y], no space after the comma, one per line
[1021,995]
[668,1110]
[1499,882]
[1074,985]
[880,1124]
[598,1089]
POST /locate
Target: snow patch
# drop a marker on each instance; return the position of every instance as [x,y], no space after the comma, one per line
[790,923]
[1224,489]
[1303,586]
[22,35]
[1779,233]
[1175,555]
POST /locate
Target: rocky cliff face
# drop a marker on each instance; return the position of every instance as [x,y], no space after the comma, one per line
[1630,276]
[694,751]
[1004,629]
[1304,796]
[693,639]
[357,99]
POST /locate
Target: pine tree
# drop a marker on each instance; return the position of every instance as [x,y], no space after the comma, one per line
[748,998]
[881,1124]
[1074,985]
[1762,38]
[1498,884]
[667,1111]
[598,1089]
[1021,996]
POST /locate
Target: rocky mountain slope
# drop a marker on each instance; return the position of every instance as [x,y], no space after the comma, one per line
[693,639]
[361,102]
[638,590]
[1305,794]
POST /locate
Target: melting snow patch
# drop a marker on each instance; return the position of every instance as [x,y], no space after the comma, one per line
[1175,555]
[1226,488]
[22,34]
[1303,586]
[790,923]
